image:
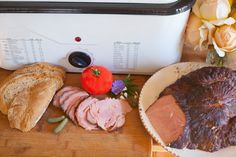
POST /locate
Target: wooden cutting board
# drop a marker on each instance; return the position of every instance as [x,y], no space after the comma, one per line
[130,141]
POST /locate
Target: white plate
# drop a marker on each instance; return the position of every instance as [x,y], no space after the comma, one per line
[150,92]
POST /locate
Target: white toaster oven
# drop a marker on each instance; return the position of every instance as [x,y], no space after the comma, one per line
[126,36]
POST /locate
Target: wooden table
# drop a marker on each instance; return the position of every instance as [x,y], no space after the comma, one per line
[130,141]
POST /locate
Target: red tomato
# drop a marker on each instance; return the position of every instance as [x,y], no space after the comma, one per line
[96,80]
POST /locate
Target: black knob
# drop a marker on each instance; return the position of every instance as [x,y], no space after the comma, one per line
[79,59]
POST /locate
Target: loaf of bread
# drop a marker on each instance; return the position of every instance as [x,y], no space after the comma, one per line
[27,92]
[29,105]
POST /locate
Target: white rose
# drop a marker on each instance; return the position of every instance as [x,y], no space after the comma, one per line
[212,9]
[225,39]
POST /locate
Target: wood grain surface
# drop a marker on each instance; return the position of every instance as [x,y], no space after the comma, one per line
[158,151]
[130,141]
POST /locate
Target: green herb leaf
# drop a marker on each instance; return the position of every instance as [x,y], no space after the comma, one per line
[130,93]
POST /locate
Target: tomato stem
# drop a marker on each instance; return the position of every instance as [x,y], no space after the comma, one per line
[96,72]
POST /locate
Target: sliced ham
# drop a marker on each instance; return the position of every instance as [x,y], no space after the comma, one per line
[71,112]
[125,106]
[111,123]
[81,114]
[104,118]
[89,112]
[120,121]
[72,103]
[61,92]
[92,114]
[66,95]
[167,118]
[107,112]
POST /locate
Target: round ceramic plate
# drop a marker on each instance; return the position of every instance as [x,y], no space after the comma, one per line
[150,92]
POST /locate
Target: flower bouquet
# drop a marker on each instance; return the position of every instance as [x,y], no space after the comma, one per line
[212,27]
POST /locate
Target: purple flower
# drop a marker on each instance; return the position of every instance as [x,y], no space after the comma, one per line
[117,87]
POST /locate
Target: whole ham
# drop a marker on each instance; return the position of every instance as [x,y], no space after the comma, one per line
[198,111]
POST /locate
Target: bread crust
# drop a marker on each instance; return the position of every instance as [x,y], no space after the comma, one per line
[40,68]
[27,77]
[29,105]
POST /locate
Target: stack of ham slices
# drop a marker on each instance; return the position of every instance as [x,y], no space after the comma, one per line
[90,112]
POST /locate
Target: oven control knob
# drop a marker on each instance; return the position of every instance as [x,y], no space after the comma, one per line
[79,59]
